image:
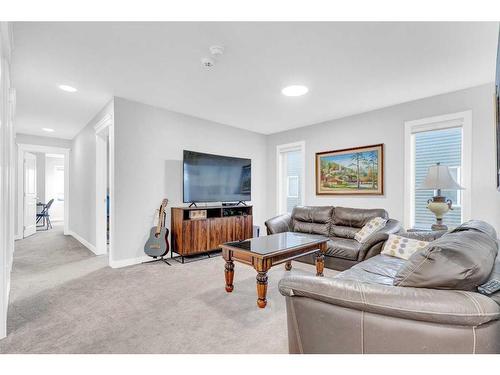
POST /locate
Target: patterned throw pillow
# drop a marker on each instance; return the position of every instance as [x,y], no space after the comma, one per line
[369,228]
[402,247]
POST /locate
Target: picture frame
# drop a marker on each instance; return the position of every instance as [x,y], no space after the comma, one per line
[351,171]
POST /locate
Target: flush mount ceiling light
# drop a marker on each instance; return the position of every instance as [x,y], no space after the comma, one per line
[67,88]
[49,130]
[295,90]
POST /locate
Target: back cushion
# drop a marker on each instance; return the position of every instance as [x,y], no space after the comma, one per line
[461,260]
[342,231]
[312,219]
[356,217]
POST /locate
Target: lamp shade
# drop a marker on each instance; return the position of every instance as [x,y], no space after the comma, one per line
[439,177]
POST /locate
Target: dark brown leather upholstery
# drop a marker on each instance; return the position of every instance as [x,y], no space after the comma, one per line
[279,224]
[357,217]
[340,224]
[343,231]
[362,311]
[314,220]
[343,248]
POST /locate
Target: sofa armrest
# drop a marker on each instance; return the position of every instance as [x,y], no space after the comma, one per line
[279,224]
[429,305]
[373,244]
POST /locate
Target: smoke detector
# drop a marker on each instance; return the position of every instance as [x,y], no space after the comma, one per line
[207,62]
[216,51]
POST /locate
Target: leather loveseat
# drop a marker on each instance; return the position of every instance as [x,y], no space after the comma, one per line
[340,224]
[426,304]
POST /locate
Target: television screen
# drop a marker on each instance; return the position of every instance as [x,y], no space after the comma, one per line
[215,178]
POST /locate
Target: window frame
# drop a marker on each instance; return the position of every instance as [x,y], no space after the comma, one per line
[281,177]
[453,120]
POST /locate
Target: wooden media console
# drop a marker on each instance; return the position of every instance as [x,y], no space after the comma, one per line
[201,232]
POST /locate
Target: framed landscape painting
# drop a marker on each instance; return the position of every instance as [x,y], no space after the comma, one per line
[357,170]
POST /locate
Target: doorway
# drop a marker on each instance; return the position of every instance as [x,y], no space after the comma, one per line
[290,179]
[104,134]
[42,181]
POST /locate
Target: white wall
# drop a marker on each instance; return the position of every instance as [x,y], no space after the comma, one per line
[40,176]
[387,126]
[148,166]
[7,176]
[82,179]
[42,141]
[54,186]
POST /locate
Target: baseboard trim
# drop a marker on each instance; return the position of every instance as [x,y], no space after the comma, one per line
[83,241]
[128,262]
[18,237]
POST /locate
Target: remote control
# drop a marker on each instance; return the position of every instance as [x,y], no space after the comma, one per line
[490,287]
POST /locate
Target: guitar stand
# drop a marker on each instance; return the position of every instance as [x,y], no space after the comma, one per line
[160,259]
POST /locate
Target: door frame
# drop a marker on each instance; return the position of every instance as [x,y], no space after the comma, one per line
[21,149]
[104,132]
[33,226]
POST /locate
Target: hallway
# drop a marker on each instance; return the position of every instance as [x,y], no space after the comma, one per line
[43,264]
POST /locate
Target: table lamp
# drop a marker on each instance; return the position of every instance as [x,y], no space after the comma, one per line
[439,178]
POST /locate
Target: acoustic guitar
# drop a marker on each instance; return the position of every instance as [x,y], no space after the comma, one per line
[157,244]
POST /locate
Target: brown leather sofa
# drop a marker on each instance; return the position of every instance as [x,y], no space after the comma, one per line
[367,310]
[340,224]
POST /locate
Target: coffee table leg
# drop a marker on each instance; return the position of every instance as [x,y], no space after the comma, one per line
[288,265]
[320,263]
[261,289]
[229,275]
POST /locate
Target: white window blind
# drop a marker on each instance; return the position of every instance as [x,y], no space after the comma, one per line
[444,146]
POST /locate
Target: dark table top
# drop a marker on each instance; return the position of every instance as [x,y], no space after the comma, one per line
[277,242]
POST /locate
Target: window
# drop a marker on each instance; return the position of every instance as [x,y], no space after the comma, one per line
[444,139]
[432,146]
[293,187]
[290,176]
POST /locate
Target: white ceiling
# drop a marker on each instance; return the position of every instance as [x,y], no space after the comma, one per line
[348,67]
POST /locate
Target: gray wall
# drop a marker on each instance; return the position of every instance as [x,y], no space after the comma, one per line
[82,179]
[148,165]
[387,126]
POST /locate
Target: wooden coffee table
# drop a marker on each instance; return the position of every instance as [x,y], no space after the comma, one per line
[262,253]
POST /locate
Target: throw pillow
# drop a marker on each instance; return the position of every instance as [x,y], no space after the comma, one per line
[369,228]
[402,247]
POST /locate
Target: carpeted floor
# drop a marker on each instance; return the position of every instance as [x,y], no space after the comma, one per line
[64,299]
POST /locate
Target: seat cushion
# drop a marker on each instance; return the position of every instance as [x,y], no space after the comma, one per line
[345,248]
[461,260]
[356,217]
[380,269]
[310,219]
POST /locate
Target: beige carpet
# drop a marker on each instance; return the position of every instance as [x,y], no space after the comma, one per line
[66,300]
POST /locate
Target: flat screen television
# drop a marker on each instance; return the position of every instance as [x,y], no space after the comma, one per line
[216,178]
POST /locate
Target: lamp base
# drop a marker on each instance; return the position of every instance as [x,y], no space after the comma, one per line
[439,227]
[439,206]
